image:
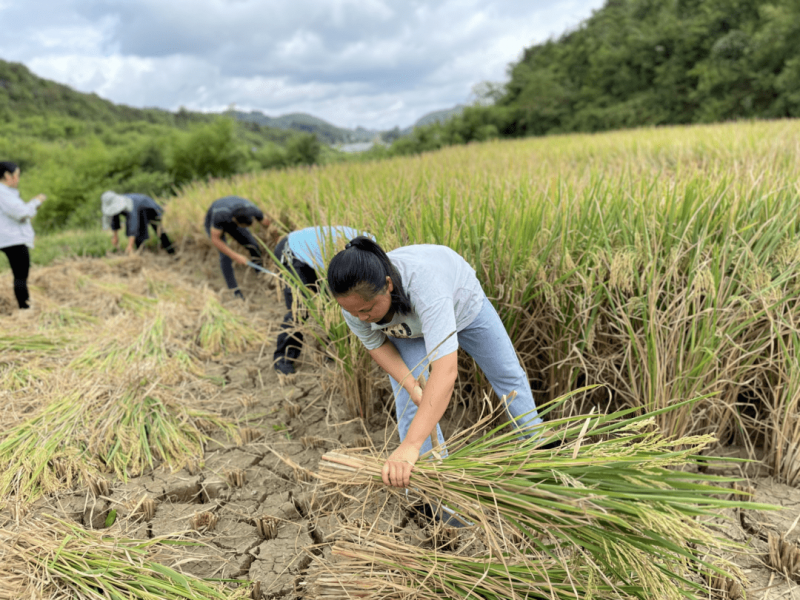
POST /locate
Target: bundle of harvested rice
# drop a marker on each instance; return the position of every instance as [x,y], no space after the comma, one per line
[122,429]
[47,557]
[615,491]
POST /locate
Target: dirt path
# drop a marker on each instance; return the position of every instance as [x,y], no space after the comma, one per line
[253,507]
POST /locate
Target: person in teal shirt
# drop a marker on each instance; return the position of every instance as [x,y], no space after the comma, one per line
[305,253]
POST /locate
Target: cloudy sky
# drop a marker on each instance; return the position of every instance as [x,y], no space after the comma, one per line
[374,63]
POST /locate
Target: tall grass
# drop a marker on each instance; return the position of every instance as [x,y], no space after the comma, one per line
[662,263]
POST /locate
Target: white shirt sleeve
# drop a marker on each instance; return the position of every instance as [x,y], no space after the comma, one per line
[13,206]
[438,317]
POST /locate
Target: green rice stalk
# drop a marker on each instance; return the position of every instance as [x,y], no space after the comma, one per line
[154,350]
[40,344]
[39,455]
[383,566]
[138,431]
[121,430]
[50,556]
[616,489]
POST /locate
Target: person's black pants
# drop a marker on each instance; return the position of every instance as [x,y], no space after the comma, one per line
[20,260]
[246,239]
[152,218]
[290,342]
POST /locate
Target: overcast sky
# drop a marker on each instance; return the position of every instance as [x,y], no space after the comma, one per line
[374,63]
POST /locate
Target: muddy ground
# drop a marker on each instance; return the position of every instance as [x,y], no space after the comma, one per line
[252,506]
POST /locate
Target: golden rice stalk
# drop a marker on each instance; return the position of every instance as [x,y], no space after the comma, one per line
[267,526]
[784,556]
[122,430]
[380,565]
[223,332]
[236,478]
[204,521]
[47,557]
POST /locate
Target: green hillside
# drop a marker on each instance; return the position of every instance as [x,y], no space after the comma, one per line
[24,95]
[439,116]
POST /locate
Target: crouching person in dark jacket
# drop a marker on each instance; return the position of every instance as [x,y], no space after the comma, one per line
[140,213]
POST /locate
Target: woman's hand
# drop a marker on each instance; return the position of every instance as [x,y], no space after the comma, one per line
[397,468]
[241,259]
[40,197]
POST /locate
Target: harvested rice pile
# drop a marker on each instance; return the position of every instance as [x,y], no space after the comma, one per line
[103,375]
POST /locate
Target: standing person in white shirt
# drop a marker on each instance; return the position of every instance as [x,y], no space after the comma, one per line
[416,306]
[16,231]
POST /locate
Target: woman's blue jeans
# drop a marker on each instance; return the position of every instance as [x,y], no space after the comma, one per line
[487,342]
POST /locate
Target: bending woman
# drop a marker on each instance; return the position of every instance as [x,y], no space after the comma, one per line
[403,306]
[16,231]
[140,211]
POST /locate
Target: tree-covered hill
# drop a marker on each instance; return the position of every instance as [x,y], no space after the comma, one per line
[642,63]
[654,62]
[24,95]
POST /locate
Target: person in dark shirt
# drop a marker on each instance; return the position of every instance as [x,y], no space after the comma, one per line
[140,211]
[232,215]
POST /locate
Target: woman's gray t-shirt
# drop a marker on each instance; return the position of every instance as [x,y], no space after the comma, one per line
[445,297]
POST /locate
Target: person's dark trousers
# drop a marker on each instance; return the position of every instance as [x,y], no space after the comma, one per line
[20,261]
[290,342]
[151,217]
[246,239]
[166,243]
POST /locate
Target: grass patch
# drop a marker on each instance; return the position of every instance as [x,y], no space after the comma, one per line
[66,244]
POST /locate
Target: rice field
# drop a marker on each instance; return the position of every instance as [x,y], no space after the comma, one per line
[659,264]
[648,279]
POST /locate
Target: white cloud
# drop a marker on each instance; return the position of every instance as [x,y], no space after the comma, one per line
[375,63]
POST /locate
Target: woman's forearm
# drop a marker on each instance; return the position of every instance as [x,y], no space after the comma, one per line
[436,395]
[435,398]
[219,244]
[389,359]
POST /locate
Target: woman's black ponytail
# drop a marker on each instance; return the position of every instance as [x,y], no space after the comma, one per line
[362,268]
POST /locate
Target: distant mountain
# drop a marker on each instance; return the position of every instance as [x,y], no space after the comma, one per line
[439,116]
[354,140]
[325,132]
